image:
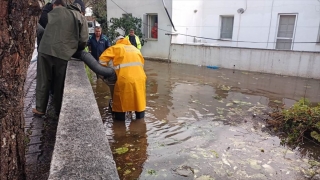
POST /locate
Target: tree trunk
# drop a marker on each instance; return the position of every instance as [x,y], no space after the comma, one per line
[18,20]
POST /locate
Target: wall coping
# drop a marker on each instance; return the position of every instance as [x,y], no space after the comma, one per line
[219,46]
[157,59]
[81,149]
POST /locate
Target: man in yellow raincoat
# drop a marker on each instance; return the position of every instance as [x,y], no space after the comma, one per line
[130,89]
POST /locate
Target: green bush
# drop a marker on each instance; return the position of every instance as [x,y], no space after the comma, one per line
[124,24]
[299,121]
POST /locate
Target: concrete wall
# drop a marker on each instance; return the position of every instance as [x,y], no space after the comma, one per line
[302,64]
[153,48]
[259,23]
[81,149]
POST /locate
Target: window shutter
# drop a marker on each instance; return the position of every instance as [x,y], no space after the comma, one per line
[226,27]
[285,32]
[145,26]
[286,26]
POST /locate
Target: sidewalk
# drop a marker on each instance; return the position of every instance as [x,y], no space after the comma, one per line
[40,132]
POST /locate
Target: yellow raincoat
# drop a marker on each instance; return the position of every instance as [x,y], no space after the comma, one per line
[130,88]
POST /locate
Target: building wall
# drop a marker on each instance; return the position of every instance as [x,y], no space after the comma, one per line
[259,22]
[152,48]
[290,63]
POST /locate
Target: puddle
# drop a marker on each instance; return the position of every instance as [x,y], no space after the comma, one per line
[209,124]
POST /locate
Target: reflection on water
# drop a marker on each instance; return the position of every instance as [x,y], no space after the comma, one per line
[202,123]
[130,145]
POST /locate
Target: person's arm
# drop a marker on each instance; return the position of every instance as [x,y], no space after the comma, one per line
[152,32]
[43,20]
[106,56]
[108,43]
[89,44]
[40,31]
[83,34]
[138,42]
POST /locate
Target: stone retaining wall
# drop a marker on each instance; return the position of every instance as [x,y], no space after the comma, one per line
[81,149]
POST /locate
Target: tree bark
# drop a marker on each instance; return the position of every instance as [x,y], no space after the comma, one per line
[18,20]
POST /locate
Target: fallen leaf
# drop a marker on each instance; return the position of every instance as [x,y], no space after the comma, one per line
[122,150]
[229,104]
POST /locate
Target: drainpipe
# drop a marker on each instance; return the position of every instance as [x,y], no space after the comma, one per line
[165,8]
[241,11]
[270,24]
[238,28]
[169,55]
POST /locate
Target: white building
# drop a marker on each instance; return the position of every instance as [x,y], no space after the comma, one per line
[150,11]
[208,28]
[267,24]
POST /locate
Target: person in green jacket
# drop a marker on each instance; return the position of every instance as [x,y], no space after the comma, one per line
[134,39]
[65,33]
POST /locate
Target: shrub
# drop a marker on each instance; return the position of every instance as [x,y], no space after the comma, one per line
[297,122]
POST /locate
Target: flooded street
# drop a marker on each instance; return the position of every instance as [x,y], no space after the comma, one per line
[209,124]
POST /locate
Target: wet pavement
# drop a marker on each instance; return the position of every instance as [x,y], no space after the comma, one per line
[209,124]
[40,132]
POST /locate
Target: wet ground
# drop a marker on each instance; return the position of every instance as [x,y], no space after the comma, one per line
[209,124]
[40,131]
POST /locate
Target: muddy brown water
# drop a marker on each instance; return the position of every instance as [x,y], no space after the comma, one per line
[208,124]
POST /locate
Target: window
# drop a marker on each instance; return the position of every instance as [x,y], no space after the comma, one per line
[226,27]
[90,24]
[286,32]
[150,23]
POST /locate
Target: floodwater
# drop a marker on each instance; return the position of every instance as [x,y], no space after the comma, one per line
[209,124]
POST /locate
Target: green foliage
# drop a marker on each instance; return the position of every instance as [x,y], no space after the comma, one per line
[99,10]
[89,72]
[300,119]
[315,135]
[112,28]
[26,139]
[124,24]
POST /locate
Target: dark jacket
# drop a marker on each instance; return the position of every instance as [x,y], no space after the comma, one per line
[66,32]
[97,47]
[44,14]
[80,2]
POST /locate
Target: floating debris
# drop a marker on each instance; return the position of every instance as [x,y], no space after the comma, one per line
[268,168]
[229,104]
[215,153]
[152,172]
[205,109]
[220,110]
[224,87]
[126,172]
[254,164]
[184,171]
[277,101]
[205,177]
[122,150]
[217,97]
[224,160]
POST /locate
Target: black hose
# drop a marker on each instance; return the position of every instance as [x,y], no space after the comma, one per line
[95,66]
